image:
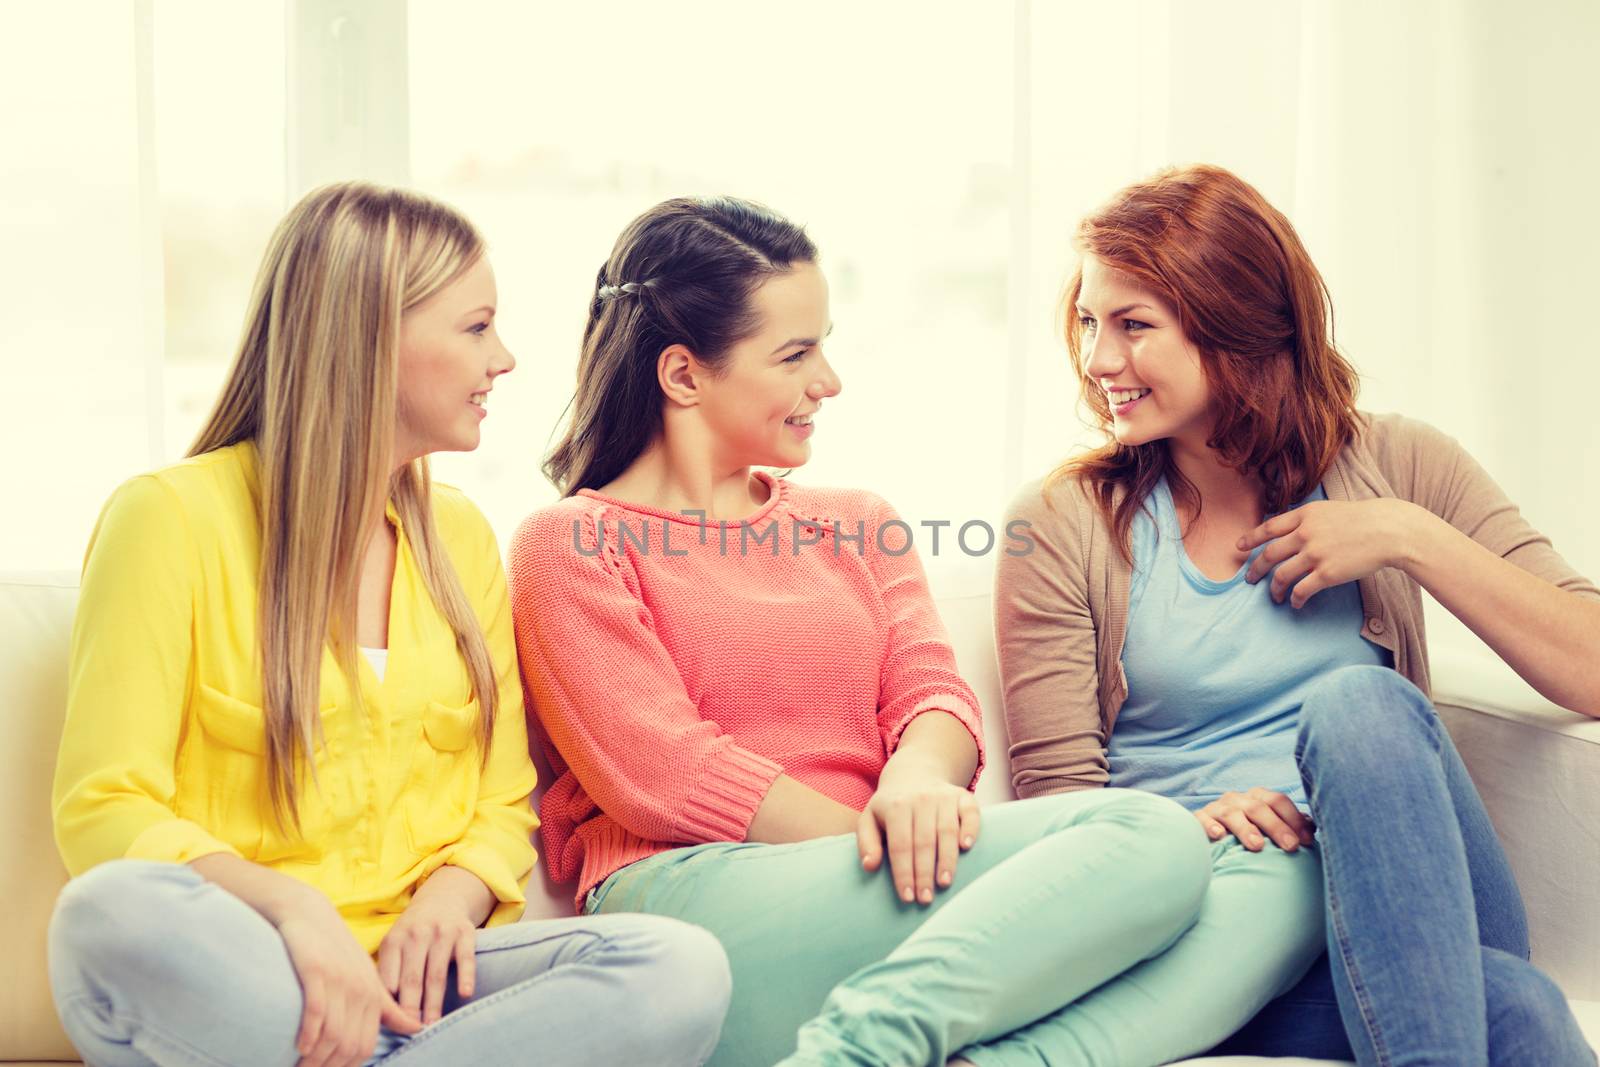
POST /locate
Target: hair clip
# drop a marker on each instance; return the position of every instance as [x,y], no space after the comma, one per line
[611,292]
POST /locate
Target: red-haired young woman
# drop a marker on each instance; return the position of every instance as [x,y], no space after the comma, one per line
[1225,607]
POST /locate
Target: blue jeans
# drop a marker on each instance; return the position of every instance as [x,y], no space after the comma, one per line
[150,964]
[1427,938]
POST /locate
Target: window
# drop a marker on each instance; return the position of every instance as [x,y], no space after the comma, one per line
[940,157]
[219,128]
[78,338]
[570,126]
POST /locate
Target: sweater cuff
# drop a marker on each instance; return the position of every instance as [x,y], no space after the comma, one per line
[726,796]
[950,704]
[176,841]
[489,867]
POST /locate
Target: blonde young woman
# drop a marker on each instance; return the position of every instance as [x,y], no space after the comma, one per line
[294,777]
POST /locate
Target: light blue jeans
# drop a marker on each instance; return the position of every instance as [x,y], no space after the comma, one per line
[1088,929]
[1428,943]
[151,964]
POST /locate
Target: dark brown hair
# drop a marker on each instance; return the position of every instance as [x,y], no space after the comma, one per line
[1250,300]
[681,273]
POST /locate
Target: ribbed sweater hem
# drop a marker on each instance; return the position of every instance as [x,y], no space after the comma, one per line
[726,795]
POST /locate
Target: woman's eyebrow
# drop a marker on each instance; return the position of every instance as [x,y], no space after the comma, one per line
[803,342]
[1120,311]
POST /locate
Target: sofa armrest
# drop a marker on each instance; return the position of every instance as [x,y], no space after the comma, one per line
[1537,767]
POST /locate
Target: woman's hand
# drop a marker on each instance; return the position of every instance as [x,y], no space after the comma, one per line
[1252,814]
[344,1000]
[1330,542]
[438,927]
[927,821]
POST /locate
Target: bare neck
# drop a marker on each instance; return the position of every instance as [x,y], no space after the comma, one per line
[1223,490]
[677,475]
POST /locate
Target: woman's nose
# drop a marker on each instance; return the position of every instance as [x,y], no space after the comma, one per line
[826,384]
[506,363]
[1104,360]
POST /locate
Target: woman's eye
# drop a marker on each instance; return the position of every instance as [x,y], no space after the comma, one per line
[1086,322]
[797,357]
[478,329]
[1134,324]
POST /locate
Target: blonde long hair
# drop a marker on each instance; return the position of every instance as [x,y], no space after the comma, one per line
[314,386]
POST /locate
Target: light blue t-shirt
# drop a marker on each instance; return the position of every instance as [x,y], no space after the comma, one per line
[1217,671]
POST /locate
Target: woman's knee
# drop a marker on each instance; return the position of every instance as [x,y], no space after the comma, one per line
[1529,1018]
[119,909]
[1174,853]
[1363,707]
[684,983]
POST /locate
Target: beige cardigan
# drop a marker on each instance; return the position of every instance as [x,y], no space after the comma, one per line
[1061,611]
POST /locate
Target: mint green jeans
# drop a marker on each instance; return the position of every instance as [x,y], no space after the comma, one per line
[1088,928]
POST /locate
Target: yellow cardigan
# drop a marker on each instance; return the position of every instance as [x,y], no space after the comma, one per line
[162,754]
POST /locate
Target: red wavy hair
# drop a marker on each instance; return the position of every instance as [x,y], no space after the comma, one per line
[1250,300]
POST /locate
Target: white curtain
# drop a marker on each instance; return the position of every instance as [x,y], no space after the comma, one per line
[1437,158]
[80,277]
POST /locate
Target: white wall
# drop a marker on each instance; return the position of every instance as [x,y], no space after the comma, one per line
[80,273]
[888,135]
[1435,157]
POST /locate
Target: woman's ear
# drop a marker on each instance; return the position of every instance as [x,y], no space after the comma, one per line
[679,375]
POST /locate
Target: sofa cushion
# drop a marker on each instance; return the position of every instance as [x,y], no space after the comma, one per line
[35,623]
[1537,768]
[1587,1012]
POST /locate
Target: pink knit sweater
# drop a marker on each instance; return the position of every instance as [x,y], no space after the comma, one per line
[675,668]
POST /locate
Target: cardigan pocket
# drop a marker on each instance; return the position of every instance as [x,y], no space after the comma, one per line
[227,782]
[444,783]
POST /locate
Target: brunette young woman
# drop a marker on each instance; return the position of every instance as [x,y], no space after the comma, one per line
[757,724]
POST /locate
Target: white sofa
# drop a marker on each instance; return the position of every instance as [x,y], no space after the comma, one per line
[1537,766]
